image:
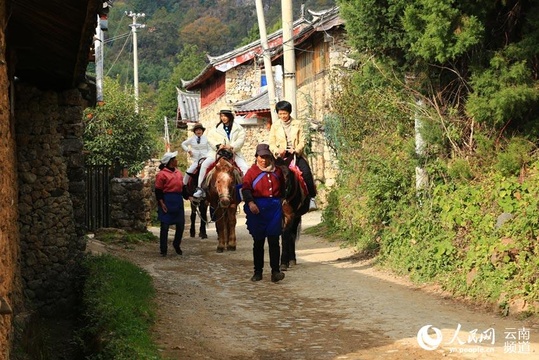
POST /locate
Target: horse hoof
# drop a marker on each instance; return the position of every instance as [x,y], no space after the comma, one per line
[220,250]
[203,236]
[192,234]
[283,267]
[231,248]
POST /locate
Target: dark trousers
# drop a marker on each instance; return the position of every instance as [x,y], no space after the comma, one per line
[163,236]
[274,253]
[303,165]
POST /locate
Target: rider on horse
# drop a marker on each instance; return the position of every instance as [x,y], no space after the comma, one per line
[286,138]
[225,135]
[197,147]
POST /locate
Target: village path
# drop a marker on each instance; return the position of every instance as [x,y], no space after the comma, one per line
[330,306]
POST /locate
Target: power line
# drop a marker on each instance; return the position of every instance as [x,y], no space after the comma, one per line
[119,53]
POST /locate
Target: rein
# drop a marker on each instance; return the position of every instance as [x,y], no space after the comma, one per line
[197,210]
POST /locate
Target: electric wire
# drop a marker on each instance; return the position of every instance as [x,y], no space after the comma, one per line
[119,53]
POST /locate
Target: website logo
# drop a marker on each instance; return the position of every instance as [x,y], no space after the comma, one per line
[426,341]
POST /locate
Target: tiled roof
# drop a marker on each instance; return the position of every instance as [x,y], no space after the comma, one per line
[188,105]
[257,103]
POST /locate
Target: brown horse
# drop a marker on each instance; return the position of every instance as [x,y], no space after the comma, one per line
[295,205]
[221,182]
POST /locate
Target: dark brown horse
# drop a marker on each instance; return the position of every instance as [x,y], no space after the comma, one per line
[221,182]
[200,208]
[295,205]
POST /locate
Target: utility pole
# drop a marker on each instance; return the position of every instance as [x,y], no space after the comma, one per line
[167,137]
[267,60]
[98,46]
[421,176]
[289,57]
[134,26]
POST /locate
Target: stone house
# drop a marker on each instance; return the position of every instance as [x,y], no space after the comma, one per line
[236,81]
[45,47]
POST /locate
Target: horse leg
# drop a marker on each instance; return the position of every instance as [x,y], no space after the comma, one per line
[285,249]
[193,219]
[220,225]
[231,221]
[294,232]
[203,207]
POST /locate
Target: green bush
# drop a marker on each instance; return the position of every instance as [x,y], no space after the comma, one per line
[448,232]
[113,130]
[514,157]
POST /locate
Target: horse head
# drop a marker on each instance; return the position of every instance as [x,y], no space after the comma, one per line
[223,183]
[222,180]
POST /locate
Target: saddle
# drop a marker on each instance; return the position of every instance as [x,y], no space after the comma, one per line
[290,161]
[229,156]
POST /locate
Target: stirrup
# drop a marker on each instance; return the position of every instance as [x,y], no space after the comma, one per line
[312,205]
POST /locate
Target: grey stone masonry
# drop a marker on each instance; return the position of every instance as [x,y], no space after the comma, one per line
[129,206]
[48,138]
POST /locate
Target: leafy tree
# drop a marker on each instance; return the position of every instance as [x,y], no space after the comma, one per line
[156,45]
[190,63]
[476,59]
[209,33]
[114,131]
[252,35]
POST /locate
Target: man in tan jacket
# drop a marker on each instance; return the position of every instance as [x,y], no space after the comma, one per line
[287,137]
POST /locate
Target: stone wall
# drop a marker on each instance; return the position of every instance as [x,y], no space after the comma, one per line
[130,206]
[48,137]
[10,288]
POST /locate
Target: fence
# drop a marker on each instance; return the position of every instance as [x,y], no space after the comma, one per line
[97,196]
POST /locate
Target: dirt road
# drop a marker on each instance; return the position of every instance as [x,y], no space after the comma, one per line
[329,306]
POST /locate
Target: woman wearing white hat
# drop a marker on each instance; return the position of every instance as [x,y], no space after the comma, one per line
[170,210]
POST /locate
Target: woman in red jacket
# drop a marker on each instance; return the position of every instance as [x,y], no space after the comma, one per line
[170,210]
[262,191]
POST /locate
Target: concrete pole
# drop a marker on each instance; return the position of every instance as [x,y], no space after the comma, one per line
[134,26]
[98,46]
[167,137]
[267,60]
[289,57]
[421,176]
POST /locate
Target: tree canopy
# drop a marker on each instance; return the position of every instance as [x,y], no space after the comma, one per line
[478,57]
[113,131]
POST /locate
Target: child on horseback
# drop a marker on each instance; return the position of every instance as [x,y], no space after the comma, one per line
[225,135]
[197,147]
